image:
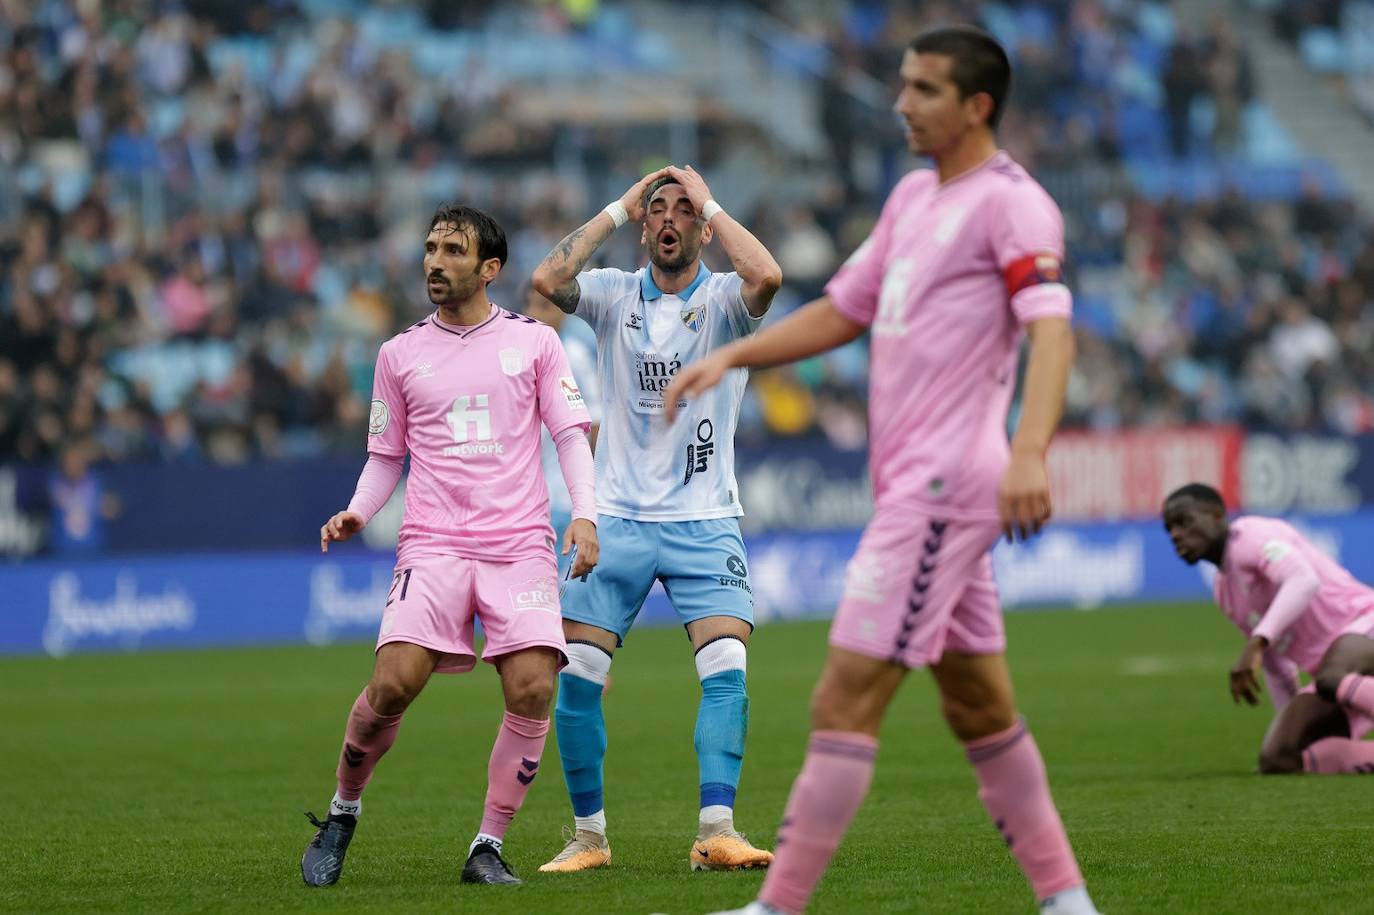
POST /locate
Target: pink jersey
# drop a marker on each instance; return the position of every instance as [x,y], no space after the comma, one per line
[1264,553]
[467,404]
[947,279]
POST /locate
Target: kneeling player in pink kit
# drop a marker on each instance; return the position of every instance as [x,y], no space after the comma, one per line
[1299,609]
[965,258]
[464,392]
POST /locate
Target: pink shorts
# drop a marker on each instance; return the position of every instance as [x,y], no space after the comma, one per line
[918,586]
[434,600]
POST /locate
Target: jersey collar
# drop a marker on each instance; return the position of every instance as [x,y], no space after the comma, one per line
[650,291]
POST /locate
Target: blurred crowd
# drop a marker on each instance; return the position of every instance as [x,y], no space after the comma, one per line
[213,212]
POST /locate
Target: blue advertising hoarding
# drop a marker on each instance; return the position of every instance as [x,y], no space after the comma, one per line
[222,599]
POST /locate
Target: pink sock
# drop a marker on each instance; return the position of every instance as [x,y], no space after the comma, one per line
[514,764]
[832,784]
[1357,692]
[366,738]
[1013,787]
[1339,756]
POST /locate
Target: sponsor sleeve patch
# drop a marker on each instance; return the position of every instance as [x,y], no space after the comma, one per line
[1275,550]
[1033,270]
[378,417]
[568,384]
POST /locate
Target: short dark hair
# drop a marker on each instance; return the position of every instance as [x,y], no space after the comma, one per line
[654,188]
[491,238]
[1199,491]
[980,64]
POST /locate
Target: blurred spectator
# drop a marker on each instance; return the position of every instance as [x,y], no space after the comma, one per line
[213,211]
[80,506]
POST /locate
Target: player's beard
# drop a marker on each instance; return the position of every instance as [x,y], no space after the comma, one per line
[455,293]
[688,249]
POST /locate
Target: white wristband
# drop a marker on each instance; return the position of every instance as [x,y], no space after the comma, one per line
[616,210]
[709,209]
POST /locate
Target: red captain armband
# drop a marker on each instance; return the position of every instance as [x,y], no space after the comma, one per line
[1033,270]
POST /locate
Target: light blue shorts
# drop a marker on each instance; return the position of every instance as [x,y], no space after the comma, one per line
[701,564]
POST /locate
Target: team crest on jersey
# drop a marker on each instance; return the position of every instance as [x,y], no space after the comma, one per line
[694,317]
[512,360]
[378,417]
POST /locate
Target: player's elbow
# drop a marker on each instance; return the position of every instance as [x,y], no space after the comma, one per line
[770,280]
[544,281]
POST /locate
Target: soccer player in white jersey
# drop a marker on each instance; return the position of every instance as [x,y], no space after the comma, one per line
[964,260]
[465,393]
[580,343]
[667,502]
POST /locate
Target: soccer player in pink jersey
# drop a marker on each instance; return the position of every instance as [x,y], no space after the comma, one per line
[964,260]
[464,393]
[1299,609]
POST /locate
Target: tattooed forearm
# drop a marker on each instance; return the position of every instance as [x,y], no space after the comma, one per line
[556,277]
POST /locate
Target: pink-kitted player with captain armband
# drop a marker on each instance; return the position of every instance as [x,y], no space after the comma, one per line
[464,392]
[964,263]
[1299,610]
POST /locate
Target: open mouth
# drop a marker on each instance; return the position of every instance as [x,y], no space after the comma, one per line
[668,242]
[435,281]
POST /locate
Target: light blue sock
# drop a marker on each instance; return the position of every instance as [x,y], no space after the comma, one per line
[581,741]
[722,721]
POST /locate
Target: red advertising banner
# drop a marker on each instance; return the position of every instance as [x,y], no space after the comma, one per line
[1127,474]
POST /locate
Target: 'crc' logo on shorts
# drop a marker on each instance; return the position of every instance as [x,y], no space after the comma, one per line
[536,594]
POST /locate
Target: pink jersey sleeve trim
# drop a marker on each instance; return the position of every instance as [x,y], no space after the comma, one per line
[848,310]
[579,471]
[1050,300]
[378,480]
[1295,593]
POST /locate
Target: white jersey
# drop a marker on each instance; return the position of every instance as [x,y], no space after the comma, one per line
[580,343]
[646,470]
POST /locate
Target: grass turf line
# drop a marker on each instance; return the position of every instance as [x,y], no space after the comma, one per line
[169,782]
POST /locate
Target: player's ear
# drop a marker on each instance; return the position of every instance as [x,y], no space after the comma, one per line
[490,267]
[706,234]
[979,108]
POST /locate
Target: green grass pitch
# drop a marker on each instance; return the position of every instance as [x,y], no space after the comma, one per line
[172,782]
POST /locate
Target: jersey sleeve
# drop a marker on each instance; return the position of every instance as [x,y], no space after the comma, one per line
[386,418]
[560,399]
[727,290]
[582,361]
[1282,564]
[856,286]
[598,291]
[1028,243]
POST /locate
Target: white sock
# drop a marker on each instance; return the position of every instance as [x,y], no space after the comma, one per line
[482,837]
[595,823]
[339,806]
[1069,902]
[717,816]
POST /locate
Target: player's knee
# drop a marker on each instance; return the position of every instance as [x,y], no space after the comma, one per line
[835,710]
[970,721]
[390,694]
[529,694]
[1327,680]
[1279,760]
